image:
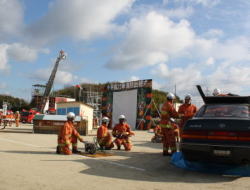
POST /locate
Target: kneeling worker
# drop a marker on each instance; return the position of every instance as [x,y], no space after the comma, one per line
[122,132]
[104,138]
[68,135]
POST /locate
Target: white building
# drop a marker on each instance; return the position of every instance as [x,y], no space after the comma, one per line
[79,108]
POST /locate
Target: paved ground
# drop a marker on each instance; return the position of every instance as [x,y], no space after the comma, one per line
[28,161]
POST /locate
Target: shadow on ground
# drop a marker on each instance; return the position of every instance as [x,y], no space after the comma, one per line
[151,167]
[28,152]
[15,130]
[140,166]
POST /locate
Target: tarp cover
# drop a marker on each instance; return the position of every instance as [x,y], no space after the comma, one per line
[233,170]
[54,117]
[125,103]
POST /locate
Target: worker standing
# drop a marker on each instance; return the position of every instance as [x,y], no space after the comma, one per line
[104,138]
[17,118]
[167,112]
[122,132]
[68,135]
[186,111]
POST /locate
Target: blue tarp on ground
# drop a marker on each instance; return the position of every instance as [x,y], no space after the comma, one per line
[235,170]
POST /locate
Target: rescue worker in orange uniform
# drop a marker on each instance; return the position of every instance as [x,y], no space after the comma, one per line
[104,138]
[68,135]
[186,111]
[1,117]
[17,118]
[168,129]
[122,132]
[9,118]
[157,138]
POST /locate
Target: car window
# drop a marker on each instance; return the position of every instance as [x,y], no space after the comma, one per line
[241,111]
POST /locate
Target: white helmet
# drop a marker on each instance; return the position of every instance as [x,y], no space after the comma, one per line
[71,115]
[170,96]
[105,119]
[122,117]
[216,92]
[188,96]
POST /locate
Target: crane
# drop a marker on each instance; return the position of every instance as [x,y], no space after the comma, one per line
[50,82]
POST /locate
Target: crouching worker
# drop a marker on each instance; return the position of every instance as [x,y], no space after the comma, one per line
[157,138]
[68,135]
[104,138]
[122,132]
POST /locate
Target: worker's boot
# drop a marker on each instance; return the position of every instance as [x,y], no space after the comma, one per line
[118,147]
[76,151]
[165,153]
[58,150]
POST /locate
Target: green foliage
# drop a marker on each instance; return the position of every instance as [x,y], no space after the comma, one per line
[72,92]
[14,104]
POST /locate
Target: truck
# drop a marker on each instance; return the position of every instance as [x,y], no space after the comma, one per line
[27,116]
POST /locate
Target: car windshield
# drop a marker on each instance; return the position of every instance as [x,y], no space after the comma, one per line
[241,111]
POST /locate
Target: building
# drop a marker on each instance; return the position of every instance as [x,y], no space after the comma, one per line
[79,108]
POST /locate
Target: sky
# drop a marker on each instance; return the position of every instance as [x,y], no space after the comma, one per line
[177,43]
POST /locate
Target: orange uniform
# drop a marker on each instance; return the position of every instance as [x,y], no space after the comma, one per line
[168,111]
[17,119]
[188,111]
[158,134]
[122,133]
[10,118]
[68,135]
[157,130]
[104,137]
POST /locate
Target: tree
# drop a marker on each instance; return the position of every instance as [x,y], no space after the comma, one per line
[14,104]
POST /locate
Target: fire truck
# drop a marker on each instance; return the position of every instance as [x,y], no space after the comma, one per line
[27,116]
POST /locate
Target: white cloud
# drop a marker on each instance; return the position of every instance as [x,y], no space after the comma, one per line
[229,77]
[3,85]
[213,33]
[3,56]
[210,61]
[233,50]
[183,12]
[207,3]
[134,78]
[150,40]
[62,77]
[157,85]
[232,78]
[86,80]
[185,78]
[164,2]
[19,52]
[77,19]
[11,18]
